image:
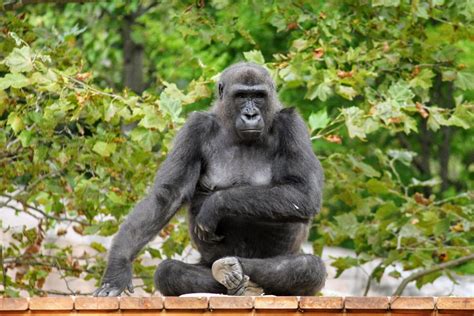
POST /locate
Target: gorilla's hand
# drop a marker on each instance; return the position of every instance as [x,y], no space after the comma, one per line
[115,281]
[207,220]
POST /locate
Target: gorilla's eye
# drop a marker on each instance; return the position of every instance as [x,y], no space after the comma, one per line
[240,95]
[260,95]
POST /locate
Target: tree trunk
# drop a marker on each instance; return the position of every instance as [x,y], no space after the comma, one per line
[446,132]
[133,58]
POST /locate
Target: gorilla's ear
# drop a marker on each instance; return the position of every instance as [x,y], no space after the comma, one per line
[221,90]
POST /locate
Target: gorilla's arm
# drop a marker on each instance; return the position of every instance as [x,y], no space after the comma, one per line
[295,193]
[174,185]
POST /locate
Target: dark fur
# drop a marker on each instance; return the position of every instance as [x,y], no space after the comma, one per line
[252,199]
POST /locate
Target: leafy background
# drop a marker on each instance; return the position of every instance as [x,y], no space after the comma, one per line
[92,94]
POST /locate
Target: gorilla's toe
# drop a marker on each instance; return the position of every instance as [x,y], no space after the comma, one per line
[228,272]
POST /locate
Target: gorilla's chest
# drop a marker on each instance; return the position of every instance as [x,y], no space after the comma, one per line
[234,166]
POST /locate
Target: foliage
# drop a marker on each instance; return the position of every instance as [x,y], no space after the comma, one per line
[386,89]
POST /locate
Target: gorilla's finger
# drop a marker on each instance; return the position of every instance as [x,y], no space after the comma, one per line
[130,288]
[101,291]
[203,228]
[235,278]
[114,292]
[95,292]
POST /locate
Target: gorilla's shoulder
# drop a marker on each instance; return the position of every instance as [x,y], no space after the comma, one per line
[290,124]
[289,117]
[201,122]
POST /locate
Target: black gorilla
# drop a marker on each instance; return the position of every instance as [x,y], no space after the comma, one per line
[253,183]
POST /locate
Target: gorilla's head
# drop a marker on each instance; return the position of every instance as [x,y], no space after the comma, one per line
[247,100]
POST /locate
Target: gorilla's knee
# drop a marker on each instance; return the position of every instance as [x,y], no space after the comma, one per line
[164,275]
[315,274]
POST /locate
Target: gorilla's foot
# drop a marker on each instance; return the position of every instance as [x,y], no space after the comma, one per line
[228,272]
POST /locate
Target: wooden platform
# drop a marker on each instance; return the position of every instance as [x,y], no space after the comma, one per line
[225,305]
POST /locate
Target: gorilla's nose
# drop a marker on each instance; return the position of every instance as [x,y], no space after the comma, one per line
[251,116]
[251,120]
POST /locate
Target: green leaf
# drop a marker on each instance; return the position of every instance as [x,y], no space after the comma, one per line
[465,80]
[98,247]
[358,125]
[254,56]
[375,186]
[387,211]
[15,122]
[436,118]
[423,79]
[154,253]
[300,44]
[360,166]
[395,274]
[321,91]
[145,138]
[346,92]
[449,75]
[91,230]
[426,279]
[25,138]
[348,222]
[404,156]
[318,120]
[170,105]
[400,92]
[152,121]
[20,60]
[104,149]
[13,80]
[344,263]
[465,269]
[386,3]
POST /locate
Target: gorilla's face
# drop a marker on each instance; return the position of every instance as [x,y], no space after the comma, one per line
[247,100]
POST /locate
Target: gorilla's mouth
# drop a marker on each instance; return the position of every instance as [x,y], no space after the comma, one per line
[251,130]
[250,133]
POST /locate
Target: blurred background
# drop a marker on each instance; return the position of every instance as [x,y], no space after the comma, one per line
[92,94]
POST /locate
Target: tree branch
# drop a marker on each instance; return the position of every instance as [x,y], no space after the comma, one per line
[2,266]
[369,280]
[419,274]
[48,216]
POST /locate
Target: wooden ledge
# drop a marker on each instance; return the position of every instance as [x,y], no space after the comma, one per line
[235,305]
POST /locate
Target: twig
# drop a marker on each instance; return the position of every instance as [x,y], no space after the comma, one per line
[4,274]
[63,276]
[459,196]
[422,273]
[370,277]
[26,207]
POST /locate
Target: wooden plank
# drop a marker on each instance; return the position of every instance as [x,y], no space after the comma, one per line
[455,303]
[52,303]
[412,303]
[174,302]
[380,303]
[96,303]
[13,304]
[231,302]
[276,302]
[141,303]
[321,303]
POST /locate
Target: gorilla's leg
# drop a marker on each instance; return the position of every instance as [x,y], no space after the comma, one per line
[282,275]
[174,278]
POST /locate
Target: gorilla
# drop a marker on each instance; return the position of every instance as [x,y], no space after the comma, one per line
[253,184]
